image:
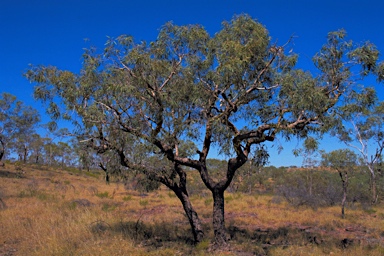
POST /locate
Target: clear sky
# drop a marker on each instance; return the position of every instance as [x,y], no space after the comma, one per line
[52,32]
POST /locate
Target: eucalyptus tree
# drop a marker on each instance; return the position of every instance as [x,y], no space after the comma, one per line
[344,161]
[232,92]
[86,158]
[66,154]
[37,148]
[309,153]
[17,121]
[361,129]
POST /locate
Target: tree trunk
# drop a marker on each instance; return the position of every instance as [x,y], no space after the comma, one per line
[180,189]
[344,179]
[373,188]
[221,237]
[2,150]
[372,184]
[25,154]
[192,216]
[310,182]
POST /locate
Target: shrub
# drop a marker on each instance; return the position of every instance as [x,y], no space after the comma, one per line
[127,198]
[143,203]
[102,194]
[310,188]
[108,207]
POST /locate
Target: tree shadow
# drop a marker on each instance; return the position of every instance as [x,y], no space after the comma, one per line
[153,235]
[12,175]
[157,235]
[280,237]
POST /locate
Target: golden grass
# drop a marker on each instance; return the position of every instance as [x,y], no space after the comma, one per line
[42,217]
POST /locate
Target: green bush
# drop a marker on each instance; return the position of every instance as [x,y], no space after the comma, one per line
[102,194]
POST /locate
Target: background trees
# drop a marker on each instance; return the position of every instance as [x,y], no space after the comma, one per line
[232,92]
[360,127]
[17,123]
[344,161]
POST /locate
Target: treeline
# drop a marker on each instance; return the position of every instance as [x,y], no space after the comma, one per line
[21,141]
[311,187]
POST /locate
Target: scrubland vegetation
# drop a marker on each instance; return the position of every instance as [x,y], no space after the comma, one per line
[49,211]
[149,114]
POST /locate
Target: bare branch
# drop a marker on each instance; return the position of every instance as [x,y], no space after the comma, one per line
[172,73]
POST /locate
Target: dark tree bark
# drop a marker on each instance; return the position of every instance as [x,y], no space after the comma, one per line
[2,150]
[180,189]
[217,189]
[25,154]
[221,237]
[192,216]
[106,172]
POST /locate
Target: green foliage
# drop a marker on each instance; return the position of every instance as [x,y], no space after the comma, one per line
[143,202]
[146,185]
[171,195]
[127,198]
[340,159]
[309,188]
[103,194]
[203,245]
[108,207]
[208,201]
[17,123]
[380,72]
[321,188]
[367,55]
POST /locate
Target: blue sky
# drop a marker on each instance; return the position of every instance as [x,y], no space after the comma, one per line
[52,32]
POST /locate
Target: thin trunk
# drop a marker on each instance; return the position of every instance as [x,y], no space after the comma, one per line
[25,154]
[192,216]
[2,151]
[344,180]
[372,184]
[373,188]
[106,172]
[221,237]
[182,194]
[310,182]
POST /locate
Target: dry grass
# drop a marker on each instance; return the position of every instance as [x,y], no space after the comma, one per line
[51,212]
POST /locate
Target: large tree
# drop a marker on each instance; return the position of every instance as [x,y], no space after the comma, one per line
[227,93]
